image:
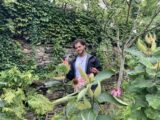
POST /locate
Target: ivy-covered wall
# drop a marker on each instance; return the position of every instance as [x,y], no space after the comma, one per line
[11,55]
[42,22]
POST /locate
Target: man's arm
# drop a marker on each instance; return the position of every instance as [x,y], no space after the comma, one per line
[97,67]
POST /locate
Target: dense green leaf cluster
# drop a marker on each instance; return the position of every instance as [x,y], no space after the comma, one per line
[13,78]
[11,55]
[17,97]
[143,89]
[42,22]
[13,106]
[39,103]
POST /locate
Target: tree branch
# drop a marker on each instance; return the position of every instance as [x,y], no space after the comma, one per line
[121,71]
[127,2]
[154,16]
[146,29]
[133,28]
[106,3]
[122,60]
[129,8]
[133,40]
[118,45]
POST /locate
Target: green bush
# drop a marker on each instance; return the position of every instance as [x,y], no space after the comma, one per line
[17,97]
[11,55]
[43,22]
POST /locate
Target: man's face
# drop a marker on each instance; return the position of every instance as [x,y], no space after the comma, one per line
[80,49]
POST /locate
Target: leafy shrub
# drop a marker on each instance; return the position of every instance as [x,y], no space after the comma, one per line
[143,88]
[17,97]
[43,22]
[11,55]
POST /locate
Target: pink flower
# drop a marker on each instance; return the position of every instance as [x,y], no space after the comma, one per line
[78,83]
[116,92]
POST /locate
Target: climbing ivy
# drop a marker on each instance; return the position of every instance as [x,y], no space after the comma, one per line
[11,55]
[42,22]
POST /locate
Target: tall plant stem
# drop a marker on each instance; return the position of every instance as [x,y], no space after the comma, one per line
[155,77]
[121,71]
[65,93]
[93,102]
[129,9]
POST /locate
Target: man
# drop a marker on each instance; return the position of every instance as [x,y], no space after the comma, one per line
[87,62]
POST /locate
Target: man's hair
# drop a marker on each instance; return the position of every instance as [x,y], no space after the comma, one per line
[81,41]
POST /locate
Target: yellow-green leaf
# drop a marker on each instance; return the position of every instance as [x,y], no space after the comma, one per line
[81,94]
[91,77]
[97,91]
[85,104]
[83,74]
[120,101]
[90,92]
[59,78]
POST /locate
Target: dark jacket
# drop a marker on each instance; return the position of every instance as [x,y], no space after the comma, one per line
[92,61]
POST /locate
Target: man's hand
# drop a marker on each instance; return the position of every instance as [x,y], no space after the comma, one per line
[94,70]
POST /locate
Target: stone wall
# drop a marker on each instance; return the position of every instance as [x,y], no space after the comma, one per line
[43,53]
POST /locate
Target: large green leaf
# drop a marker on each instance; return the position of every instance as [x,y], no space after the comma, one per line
[153,59]
[58,117]
[141,83]
[81,94]
[152,114]
[140,101]
[70,108]
[120,101]
[145,61]
[1,103]
[136,115]
[157,52]
[3,84]
[103,75]
[158,74]
[105,97]
[89,115]
[134,51]
[153,101]
[104,117]
[152,73]
[137,71]
[9,1]
[85,104]
[83,74]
